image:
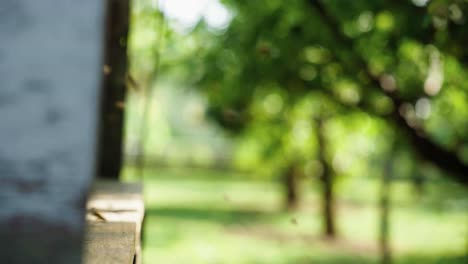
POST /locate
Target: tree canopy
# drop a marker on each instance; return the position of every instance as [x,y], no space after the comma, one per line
[401,65]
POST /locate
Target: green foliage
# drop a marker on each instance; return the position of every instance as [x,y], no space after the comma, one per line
[282,64]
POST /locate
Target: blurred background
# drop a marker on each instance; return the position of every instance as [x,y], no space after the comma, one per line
[300,131]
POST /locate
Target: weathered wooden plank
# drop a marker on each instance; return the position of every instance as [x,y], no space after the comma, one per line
[50,69]
[109,243]
[117,202]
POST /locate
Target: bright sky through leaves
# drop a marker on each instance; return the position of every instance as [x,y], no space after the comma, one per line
[188,12]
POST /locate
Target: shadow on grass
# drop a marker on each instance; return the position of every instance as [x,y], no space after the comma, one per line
[433,259]
[333,259]
[219,215]
[340,252]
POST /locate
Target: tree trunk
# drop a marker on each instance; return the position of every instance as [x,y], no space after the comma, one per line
[114,89]
[328,200]
[384,240]
[291,187]
[418,184]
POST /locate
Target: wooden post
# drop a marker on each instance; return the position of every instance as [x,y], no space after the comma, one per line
[114,89]
[50,70]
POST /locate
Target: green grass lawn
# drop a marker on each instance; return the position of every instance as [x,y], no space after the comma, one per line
[213,217]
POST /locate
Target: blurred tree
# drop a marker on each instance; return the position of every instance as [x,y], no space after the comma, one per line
[400,96]
[385,198]
[394,60]
[327,178]
[291,183]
